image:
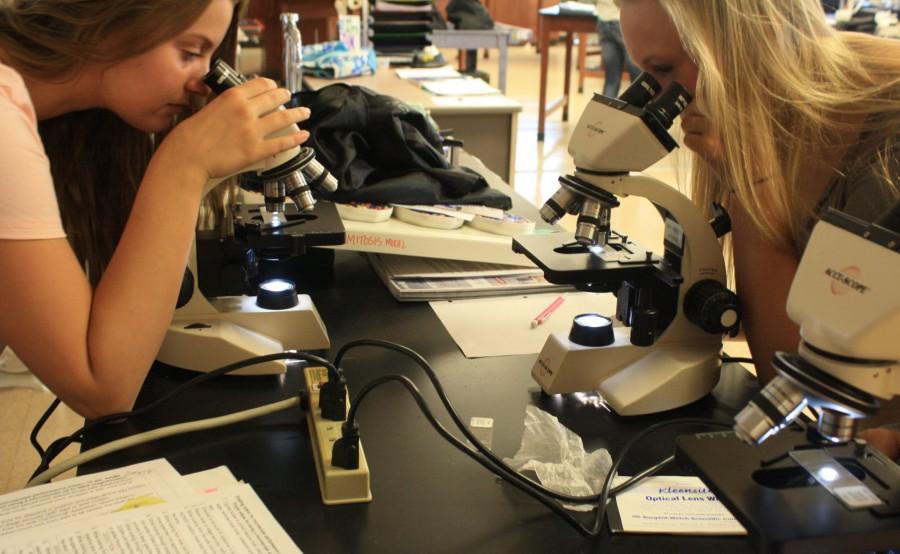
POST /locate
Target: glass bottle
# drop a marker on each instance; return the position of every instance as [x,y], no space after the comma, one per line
[293,52]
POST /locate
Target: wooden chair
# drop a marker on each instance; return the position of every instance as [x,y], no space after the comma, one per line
[585,50]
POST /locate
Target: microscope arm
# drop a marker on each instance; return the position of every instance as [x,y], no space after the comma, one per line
[702,249]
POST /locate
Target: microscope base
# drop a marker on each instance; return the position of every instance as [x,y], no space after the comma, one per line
[783,508]
[236,329]
[633,380]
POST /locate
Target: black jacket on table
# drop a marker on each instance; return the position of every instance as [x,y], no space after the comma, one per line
[383,151]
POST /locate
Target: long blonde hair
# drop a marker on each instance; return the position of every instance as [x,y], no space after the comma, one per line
[96,159]
[782,88]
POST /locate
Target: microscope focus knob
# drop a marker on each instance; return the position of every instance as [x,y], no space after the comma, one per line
[592,330]
[711,306]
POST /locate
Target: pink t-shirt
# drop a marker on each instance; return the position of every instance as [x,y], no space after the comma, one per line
[28,207]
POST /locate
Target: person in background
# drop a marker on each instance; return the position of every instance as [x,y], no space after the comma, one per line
[789,117]
[99,193]
[613,54]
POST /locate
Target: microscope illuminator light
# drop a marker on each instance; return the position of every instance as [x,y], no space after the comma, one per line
[277,294]
[591,329]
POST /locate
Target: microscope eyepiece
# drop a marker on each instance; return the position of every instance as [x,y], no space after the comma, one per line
[669,104]
[222,77]
[641,90]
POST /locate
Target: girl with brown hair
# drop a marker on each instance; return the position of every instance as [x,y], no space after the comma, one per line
[99,192]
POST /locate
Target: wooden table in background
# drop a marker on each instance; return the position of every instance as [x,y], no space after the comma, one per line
[552,21]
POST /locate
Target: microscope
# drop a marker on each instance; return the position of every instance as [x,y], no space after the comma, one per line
[674,308]
[814,488]
[207,333]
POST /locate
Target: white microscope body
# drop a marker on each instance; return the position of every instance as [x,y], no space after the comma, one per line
[206,334]
[802,488]
[846,300]
[668,359]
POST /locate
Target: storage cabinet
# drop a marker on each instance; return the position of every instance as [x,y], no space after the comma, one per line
[318,23]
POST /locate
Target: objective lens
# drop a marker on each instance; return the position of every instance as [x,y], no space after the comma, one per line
[563,201]
[836,426]
[771,410]
[641,91]
[593,223]
[273,193]
[296,187]
[670,103]
[319,177]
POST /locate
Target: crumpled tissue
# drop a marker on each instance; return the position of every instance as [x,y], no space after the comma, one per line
[557,456]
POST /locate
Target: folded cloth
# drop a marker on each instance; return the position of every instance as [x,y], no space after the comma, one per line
[382,150]
[332,60]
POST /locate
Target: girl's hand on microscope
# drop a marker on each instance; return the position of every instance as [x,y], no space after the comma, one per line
[231,133]
[700,135]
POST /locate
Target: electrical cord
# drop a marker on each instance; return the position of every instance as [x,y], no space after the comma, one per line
[480,453]
[177,429]
[531,487]
[605,491]
[40,425]
[454,416]
[531,491]
[429,415]
[60,444]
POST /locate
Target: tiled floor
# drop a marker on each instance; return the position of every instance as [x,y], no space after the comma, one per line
[538,166]
[21,405]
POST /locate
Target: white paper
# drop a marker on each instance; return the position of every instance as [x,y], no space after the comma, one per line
[477,101]
[233,520]
[426,73]
[501,326]
[675,505]
[143,484]
[467,86]
[210,480]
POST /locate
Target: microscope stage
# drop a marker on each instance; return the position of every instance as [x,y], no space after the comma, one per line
[783,508]
[566,262]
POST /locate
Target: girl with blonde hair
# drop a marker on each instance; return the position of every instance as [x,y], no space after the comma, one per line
[100,193]
[790,117]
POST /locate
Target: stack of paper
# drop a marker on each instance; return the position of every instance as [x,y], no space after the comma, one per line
[428,73]
[411,278]
[464,86]
[146,507]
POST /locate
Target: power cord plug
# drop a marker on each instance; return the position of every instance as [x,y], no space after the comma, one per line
[333,398]
[345,452]
[305,402]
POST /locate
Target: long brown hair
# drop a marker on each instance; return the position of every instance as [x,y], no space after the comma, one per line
[96,159]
